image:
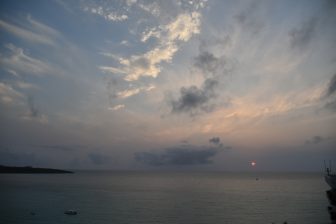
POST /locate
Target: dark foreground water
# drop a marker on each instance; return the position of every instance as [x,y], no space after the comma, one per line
[163,197]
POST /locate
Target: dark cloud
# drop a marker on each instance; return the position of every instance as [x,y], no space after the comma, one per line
[330,95]
[215,42]
[213,66]
[194,100]
[207,62]
[98,159]
[250,18]
[180,156]
[301,36]
[184,141]
[33,111]
[215,140]
[331,105]
[113,86]
[316,140]
[332,86]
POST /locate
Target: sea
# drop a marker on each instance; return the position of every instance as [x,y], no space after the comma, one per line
[164,197]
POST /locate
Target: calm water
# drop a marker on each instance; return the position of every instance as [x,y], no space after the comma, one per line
[163,197]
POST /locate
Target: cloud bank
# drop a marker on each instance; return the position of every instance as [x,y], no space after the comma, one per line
[182,155]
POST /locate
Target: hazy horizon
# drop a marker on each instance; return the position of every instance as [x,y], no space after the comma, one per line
[168,85]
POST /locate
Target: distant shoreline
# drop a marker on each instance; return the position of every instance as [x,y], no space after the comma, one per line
[29,169]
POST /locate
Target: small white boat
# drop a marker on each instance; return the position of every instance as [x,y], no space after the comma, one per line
[70,212]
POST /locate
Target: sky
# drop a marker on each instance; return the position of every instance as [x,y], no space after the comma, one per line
[168,85]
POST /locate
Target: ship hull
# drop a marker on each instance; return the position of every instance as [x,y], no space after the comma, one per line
[331,180]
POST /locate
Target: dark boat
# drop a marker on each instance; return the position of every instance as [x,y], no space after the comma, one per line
[70,212]
[330,178]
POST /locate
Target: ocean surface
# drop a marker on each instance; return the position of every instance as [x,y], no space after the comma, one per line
[164,197]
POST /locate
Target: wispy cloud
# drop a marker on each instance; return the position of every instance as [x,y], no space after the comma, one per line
[25,107]
[106,13]
[8,95]
[117,107]
[182,28]
[17,60]
[26,85]
[133,91]
[36,35]
[43,29]
[153,8]
[301,36]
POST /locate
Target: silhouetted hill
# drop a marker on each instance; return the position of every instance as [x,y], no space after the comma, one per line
[29,169]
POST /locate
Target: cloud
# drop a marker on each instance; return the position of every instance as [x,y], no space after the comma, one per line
[8,95]
[331,105]
[26,85]
[331,86]
[98,159]
[43,29]
[153,32]
[301,36]
[117,107]
[329,94]
[64,5]
[212,65]
[169,36]
[106,13]
[207,62]
[182,28]
[121,89]
[180,156]
[153,8]
[316,140]
[21,63]
[33,112]
[193,4]
[194,100]
[143,65]
[25,105]
[36,32]
[215,140]
[25,34]
[131,92]
[250,18]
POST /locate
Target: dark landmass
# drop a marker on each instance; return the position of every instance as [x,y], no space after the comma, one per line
[29,169]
